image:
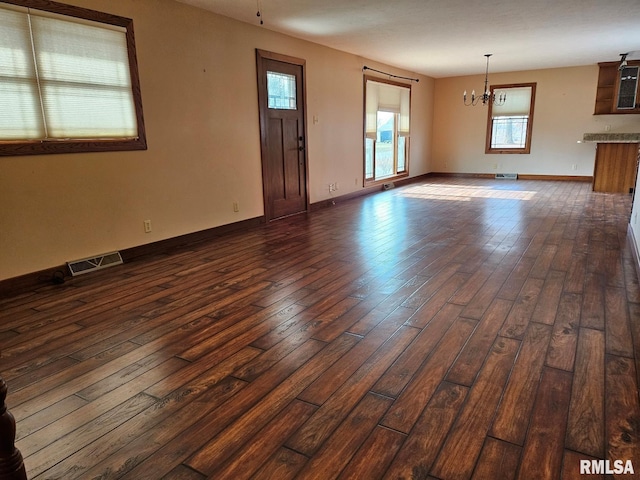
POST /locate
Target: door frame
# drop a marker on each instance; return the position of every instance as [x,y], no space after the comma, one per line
[262,88]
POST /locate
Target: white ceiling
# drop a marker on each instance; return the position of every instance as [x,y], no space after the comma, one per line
[445,38]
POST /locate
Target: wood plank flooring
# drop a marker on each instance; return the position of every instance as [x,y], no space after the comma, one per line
[451,329]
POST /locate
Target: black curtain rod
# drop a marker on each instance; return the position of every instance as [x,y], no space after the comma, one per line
[391,74]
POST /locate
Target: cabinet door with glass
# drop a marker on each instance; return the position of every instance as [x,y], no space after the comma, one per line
[618,90]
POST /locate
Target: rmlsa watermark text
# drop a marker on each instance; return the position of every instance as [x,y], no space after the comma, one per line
[599,467]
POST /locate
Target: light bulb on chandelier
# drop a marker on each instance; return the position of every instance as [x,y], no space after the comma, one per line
[486,96]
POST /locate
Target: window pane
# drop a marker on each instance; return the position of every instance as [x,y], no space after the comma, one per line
[20,112]
[84,80]
[385,145]
[386,130]
[402,149]
[511,121]
[368,158]
[509,132]
[281,90]
[79,111]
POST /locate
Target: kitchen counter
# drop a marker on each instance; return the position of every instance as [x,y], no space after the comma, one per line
[611,137]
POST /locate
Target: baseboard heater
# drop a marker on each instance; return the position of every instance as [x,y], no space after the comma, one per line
[91,264]
[507,176]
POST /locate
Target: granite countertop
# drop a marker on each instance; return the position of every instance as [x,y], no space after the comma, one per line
[611,137]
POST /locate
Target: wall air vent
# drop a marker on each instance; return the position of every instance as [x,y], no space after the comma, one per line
[86,265]
[507,176]
[388,186]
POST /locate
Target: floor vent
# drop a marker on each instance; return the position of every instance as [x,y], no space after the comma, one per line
[86,265]
[388,186]
[507,176]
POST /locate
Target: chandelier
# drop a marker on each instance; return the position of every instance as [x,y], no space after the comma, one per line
[486,97]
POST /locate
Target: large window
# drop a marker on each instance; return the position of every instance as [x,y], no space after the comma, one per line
[387,128]
[510,124]
[68,80]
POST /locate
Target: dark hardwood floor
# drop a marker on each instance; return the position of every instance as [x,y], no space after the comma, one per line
[453,329]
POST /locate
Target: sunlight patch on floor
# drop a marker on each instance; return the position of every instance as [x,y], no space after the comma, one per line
[464,193]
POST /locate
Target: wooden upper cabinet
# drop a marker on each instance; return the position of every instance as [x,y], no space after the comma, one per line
[618,90]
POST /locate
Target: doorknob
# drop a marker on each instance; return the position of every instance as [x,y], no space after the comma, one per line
[301,148]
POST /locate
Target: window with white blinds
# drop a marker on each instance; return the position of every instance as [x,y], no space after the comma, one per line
[66,83]
[387,97]
[386,129]
[510,124]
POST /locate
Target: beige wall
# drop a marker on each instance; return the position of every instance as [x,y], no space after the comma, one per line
[199,94]
[565,99]
[198,80]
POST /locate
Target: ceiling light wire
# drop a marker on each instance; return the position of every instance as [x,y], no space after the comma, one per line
[259,13]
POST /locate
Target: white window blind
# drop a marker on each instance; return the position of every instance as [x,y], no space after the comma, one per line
[371,110]
[388,98]
[62,79]
[510,124]
[518,103]
[20,111]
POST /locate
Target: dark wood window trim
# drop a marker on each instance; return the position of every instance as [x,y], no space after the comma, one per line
[11,148]
[527,147]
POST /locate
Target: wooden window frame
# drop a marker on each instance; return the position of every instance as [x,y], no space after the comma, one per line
[527,148]
[53,146]
[367,182]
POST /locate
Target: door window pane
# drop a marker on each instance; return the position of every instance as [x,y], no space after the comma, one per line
[281,91]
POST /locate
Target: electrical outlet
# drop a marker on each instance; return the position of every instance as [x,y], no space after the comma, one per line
[236,207]
[574,166]
[147,226]
[332,187]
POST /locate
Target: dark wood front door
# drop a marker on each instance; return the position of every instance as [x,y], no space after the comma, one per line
[282,134]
